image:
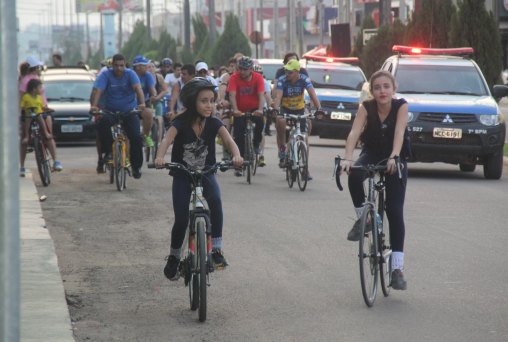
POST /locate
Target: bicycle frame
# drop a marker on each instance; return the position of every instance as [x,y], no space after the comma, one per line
[40,149]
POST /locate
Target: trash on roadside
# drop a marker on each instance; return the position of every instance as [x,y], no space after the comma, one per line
[43,198]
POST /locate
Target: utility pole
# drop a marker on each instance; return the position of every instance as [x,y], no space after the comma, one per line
[275,29]
[186,25]
[213,25]
[385,8]
[88,48]
[321,19]
[262,11]
[148,18]
[120,21]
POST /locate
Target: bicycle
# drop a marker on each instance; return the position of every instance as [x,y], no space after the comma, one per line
[297,153]
[151,152]
[118,167]
[38,144]
[374,252]
[250,154]
[196,262]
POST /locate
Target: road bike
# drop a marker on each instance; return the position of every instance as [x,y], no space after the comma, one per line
[118,166]
[297,153]
[250,155]
[374,253]
[38,145]
[196,262]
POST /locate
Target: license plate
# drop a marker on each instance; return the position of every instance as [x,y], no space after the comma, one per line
[72,129]
[340,116]
[447,133]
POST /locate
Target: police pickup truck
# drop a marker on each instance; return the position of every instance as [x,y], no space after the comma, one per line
[453,117]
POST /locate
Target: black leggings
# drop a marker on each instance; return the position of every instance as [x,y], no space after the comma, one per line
[395,195]
[239,127]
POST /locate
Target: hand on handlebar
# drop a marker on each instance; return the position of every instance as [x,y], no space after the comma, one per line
[94,109]
[237,113]
[345,166]
[257,113]
[237,161]
[159,162]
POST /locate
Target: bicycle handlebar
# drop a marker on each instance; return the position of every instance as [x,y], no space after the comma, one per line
[105,111]
[223,166]
[370,168]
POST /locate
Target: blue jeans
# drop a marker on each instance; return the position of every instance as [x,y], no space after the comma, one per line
[132,130]
[181,198]
[395,194]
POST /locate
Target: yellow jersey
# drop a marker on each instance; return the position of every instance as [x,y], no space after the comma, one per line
[28,101]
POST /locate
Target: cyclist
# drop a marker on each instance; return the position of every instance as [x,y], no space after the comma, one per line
[140,65]
[193,134]
[166,67]
[30,100]
[161,89]
[268,103]
[381,125]
[246,94]
[122,92]
[175,105]
[288,57]
[289,100]
[202,71]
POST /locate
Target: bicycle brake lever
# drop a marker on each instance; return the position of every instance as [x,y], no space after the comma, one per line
[337,176]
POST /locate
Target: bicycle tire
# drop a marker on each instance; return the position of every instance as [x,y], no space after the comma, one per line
[248,155]
[189,268]
[202,267]
[385,262]
[111,168]
[303,167]
[40,159]
[367,255]
[119,165]
[155,138]
[289,165]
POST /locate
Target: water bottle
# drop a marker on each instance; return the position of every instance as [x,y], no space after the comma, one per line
[379,223]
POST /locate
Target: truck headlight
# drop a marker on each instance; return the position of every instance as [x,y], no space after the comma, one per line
[489,120]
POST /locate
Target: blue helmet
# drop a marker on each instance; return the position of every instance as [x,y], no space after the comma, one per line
[140,60]
[167,61]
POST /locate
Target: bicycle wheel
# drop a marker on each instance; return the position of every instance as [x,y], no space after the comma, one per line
[289,165]
[202,267]
[367,256]
[188,270]
[248,155]
[40,158]
[385,263]
[155,137]
[111,168]
[119,165]
[303,166]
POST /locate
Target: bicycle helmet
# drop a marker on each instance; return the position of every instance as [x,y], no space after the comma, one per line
[245,63]
[191,90]
[167,61]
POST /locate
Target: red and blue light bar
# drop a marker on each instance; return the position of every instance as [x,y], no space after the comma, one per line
[413,50]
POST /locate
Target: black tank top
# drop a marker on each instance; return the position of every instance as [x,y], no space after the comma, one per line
[377,136]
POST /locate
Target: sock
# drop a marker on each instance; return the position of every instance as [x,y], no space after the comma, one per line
[177,252]
[217,243]
[398,261]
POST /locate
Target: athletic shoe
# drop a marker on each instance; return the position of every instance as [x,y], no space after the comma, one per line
[57,166]
[171,268]
[398,281]
[136,173]
[219,262]
[149,141]
[355,233]
[100,166]
[22,172]
[262,161]
[282,159]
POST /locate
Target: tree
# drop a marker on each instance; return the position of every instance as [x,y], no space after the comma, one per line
[474,26]
[167,46]
[368,23]
[431,26]
[379,47]
[137,43]
[230,42]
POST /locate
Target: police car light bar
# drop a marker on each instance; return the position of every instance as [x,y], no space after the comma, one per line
[409,50]
[348,60]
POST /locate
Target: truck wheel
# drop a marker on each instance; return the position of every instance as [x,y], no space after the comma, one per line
[493,166]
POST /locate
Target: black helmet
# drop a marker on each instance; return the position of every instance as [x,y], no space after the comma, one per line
[245,63]
[191,90]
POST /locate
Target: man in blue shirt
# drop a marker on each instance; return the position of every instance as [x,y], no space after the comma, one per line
[140,66]
[122,93]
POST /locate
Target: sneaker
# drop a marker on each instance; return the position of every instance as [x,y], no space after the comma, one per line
[127,162]
[108,159]
[219,262]
[171,268]
[355,234]
[57,166]
[282,159]
[398,281]
[262,161]
[22,172]
[100,166]
[136,173]
[238,173]
[149,141]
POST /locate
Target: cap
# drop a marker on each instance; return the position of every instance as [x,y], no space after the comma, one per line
[201,66]
[292,65]
[140,60]
[33,62]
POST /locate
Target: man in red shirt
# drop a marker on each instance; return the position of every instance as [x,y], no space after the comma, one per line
[246,94]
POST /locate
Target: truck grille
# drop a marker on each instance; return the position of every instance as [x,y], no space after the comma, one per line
[335,104]
[439,117]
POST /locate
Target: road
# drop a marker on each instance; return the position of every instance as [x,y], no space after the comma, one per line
[293,276]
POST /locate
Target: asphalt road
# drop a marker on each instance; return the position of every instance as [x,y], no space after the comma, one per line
[293,276]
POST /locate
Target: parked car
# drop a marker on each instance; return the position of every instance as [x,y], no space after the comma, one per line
[338,85]
[270,67]
[453,117]
[68,92]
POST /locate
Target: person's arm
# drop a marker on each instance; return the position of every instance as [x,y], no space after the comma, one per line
[96,95]
[175,93]
[261,104]
[277,99]
[164,89]
[314,98]
[168,139]
[140,95]
[231,146]
[353,137]
[398,137]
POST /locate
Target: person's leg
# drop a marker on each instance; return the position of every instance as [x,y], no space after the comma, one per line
[131,127]
[25,124]
[258,131]
[239,133]
[357,192]
[211,191]
[103,127]
[47,124]
[147,116]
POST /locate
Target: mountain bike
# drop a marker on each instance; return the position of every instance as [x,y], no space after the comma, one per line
[297,153]
[38,144]
[196,261]
[374,253]
[118,166]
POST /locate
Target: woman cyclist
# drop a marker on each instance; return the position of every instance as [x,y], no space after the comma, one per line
[193,133]
[381,125]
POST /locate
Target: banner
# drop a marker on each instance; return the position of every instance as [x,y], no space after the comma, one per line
[83,6]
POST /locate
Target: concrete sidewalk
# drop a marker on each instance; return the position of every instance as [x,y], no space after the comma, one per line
[44,312]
